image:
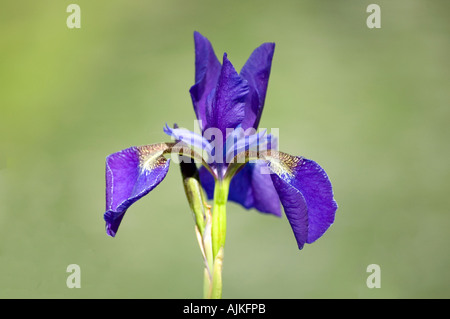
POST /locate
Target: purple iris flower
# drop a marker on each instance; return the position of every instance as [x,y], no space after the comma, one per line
[228,104]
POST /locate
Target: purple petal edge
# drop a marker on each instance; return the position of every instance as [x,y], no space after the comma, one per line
[295,208]
[257,72]
[127,180]
[207,71]
[225,109]
[249,188]
[306,185]
[252,189]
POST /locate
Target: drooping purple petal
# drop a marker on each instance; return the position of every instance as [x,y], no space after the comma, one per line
[257,71]
[266,198]
[297,181]
[226,107]
[249,187]
[313,182]
[207,71]
[241,187]
[253,188]
[131,174]
[207,181]
[295,208]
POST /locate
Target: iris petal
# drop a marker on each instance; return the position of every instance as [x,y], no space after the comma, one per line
[304,190]
[131,174]
[257,71]
[241,187]
[134,172]
[207,181]
[295,208]
[245,143]
[226,108]
[265,196]
[190,138]
[250,187]
[207,71]
[299,180]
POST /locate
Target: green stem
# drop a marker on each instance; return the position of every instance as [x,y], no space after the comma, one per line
[219,216]
[218,234]
[216,291]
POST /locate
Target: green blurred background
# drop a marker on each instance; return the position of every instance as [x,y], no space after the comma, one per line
[370,105]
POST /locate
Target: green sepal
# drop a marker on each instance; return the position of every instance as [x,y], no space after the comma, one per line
[194,194]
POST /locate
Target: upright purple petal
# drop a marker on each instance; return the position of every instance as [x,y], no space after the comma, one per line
[257,71]
[299,182]
[131,174]
[207,71]
[226,108]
